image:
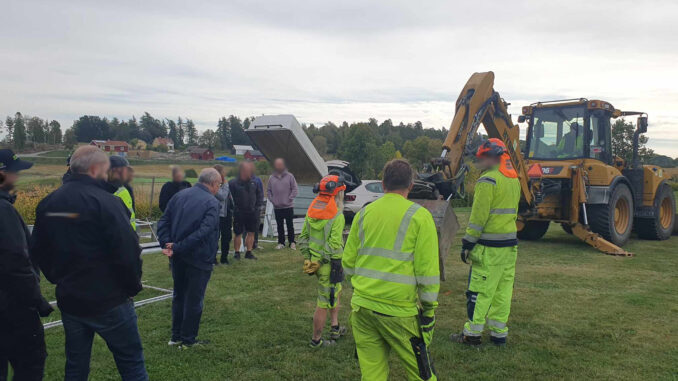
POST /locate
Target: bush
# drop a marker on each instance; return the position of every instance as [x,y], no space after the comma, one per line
[27,200]
[191,173]
[674,185]
[262,167]
[232,172]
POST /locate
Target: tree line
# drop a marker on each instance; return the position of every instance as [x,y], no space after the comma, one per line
[22,129]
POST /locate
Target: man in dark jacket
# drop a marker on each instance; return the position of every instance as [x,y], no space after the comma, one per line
[84,243]
[189,234]
[22,340]
[248,198]
[173,187]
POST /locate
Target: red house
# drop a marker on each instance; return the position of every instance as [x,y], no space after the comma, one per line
[112,147]
[199,153]
[254,155]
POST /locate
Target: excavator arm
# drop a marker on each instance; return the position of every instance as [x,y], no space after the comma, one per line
[479,103]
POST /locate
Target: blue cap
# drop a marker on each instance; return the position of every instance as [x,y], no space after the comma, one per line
[11,163]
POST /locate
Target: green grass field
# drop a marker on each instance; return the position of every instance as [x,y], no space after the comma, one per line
[577,314]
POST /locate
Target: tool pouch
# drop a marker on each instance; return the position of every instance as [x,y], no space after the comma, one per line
[424,362]
[336,271]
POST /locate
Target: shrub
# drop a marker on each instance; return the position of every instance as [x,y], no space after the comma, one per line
[191,173]
[27,200]
[262,167]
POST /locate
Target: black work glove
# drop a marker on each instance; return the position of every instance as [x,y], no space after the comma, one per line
[45,309]
[466,247]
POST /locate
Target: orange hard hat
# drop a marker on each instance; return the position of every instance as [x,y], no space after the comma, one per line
[330,184]
[491,147]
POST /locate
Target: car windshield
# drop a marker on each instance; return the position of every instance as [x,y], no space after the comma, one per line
[557,133]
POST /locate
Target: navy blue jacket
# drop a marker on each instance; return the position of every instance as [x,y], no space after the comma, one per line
[84,243]
[191,223]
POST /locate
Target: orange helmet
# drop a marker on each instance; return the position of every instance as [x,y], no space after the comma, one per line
[330,184]
[324,207]
[491,147]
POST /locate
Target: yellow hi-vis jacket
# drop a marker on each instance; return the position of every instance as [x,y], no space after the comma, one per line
[322,240]
[495,207]
[391,258]
[126,198]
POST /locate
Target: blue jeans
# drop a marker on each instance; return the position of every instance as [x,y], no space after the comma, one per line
[118,328]
[190,284]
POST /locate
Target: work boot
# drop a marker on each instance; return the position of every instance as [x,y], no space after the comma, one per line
[236,255]
[196,344]
[463,339]
[336,332]
[249,255]
[321,343]
[498,341]
[224,259]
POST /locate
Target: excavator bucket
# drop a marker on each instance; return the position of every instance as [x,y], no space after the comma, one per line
[446,225]
[598,242]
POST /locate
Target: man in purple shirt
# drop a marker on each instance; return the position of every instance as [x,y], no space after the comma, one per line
[282,189]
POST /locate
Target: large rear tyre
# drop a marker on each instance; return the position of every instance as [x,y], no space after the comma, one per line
[533,230]
[660,227]
[613,220]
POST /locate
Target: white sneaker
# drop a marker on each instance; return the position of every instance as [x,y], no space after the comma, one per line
[293,246]
[280,246]
[172,343]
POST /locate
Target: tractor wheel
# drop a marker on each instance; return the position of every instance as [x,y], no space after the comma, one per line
[613,220]
[533,230]
[566,228]
[661,226]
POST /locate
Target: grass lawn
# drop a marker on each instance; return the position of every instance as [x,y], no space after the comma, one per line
[577,314]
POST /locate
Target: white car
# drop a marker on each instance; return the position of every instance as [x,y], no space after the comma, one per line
[367,192]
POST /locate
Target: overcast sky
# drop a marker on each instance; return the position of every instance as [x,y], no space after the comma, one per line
[341,60]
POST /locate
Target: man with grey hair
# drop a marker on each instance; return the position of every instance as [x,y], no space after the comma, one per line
[189,235]
[84,243]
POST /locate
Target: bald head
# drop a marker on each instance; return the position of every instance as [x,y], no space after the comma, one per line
[211,178]
[90,160]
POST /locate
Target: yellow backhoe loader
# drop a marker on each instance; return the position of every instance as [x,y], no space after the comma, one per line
[568,173]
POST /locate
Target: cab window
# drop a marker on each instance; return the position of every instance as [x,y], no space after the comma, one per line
[557,133]
[600,144]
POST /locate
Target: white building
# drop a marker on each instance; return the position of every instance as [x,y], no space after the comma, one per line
[240,150]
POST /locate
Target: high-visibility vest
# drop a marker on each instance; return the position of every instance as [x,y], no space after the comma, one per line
[494,212]
[321,240]
[391,258]
[124,195]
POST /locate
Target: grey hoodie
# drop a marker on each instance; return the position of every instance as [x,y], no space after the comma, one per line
[282,189]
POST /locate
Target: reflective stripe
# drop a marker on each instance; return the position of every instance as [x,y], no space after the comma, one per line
[324,290]
[476,330]
[498,237]
[496,324]
[389,277]
[361,231]
[323,299]
[404,225]
[503,211]
[428,296]
[488,180]
[317,241]
[386,253]
[428,280]
[471,238]
[498,335]
[348,271]
[475,227]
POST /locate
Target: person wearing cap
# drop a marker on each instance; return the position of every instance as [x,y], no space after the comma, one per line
[83,242]
[491,245]
[391,259]
[118,177]
[321,244]
[21,303]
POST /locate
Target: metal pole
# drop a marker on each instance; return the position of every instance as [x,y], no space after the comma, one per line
[152,189]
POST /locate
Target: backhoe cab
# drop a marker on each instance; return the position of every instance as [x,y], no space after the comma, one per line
[571,139]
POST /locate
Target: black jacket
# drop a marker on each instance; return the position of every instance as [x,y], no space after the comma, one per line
[19,278]
[247,196]
[84,243]
[168,190]
[191,223]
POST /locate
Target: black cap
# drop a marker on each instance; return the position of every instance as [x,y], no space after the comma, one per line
[119,162]
[11,163]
